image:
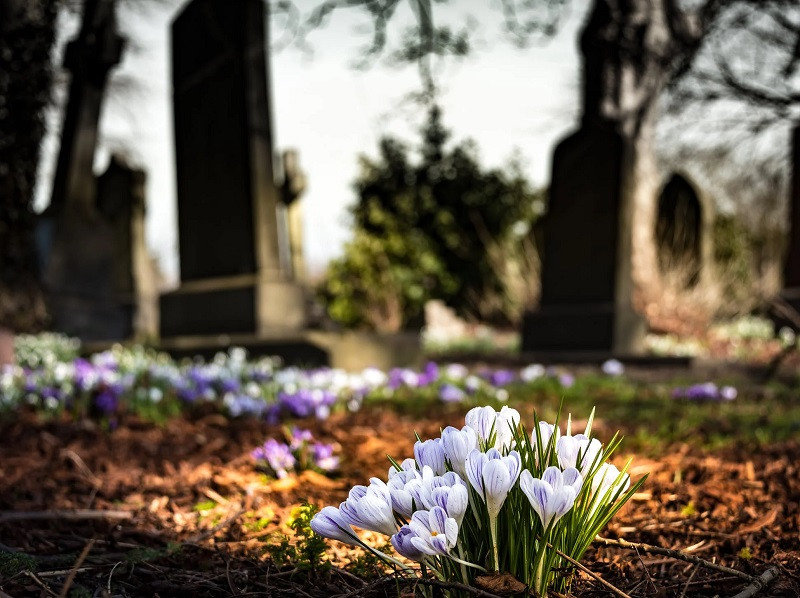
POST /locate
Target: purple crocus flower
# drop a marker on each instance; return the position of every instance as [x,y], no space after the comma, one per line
[300,437]
[501,378]
[276,455]
[106,401]
[323,457]
[451,394]
[428,375]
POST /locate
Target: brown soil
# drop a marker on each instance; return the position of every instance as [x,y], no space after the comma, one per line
[739,508]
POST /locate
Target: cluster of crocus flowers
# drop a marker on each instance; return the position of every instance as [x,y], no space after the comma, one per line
[302,451]
[490,496]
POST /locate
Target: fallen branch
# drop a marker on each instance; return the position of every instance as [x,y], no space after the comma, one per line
[676,554]
[759,583]
[77,514]
[590,573]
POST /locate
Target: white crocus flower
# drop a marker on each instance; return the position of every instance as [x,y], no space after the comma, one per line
[330,523]
[492,476]
[430,454]
[457,444]
[434,532]
[578,451]
[402,501]
[407,465]
[554,494]
[370,508]
[485,420]
[608,478]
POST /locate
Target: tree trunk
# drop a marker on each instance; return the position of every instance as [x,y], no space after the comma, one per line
[27,31]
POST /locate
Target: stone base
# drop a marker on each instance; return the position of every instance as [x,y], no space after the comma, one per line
[354,351]
[595,329]
[240,306]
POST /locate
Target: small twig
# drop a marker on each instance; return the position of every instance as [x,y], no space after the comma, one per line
[676,554]
[759,583]
[75,567]
[108,585]
[77,514]
[689,581]
[589,572]
[62,572]
[39,582]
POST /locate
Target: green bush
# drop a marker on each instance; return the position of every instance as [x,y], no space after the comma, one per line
[441,227]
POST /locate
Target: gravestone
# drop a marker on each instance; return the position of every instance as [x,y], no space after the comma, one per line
[73,238]
[602,181]
[135,279]
[232,278]
[681,232]
[585,303]
[790,292]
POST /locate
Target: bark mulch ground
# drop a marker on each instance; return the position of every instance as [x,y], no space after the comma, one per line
[179,510]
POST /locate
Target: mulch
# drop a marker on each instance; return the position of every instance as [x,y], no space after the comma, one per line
[179,510]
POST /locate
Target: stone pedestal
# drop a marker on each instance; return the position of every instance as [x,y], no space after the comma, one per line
[586,302]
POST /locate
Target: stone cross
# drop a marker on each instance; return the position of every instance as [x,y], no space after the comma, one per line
[89,58]
[294,184]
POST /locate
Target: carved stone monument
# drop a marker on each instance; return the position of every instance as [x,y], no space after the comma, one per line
[232,278]
[74,238]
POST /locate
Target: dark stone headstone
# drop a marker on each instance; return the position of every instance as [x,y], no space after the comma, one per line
[791,264]
[102,287]
[231,274]
[86,263]
[586,288]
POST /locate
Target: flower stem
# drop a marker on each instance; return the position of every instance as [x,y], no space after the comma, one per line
[493,531]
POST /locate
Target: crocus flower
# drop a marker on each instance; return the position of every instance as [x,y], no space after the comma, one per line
[323,457]
[485,420]
[434,532]
[402,500]
[612,367]
[449,393]
[407,465]
[277,456]
[578,451]
[430,453]
[448,491]
[607,477]
[553,495]
[403,545]
[532,372]
[370,508]
[457,444]
[330,523]
[492,476]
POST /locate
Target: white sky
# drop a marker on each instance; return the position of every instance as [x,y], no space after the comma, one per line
[505,98]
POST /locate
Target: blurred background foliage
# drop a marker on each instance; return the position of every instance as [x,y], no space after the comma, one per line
[438,225]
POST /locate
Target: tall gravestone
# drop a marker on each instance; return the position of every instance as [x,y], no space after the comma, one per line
[600,173]
[791,264]
[75,240]
[232,279]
